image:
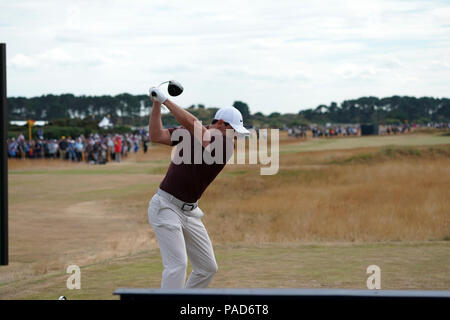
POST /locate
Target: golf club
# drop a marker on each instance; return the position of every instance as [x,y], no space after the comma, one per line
[174,88]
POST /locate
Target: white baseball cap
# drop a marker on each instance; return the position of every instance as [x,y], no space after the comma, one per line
[234,117]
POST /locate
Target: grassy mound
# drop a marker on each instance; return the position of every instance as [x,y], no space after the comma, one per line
[396,152]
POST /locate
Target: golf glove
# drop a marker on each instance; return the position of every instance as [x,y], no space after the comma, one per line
[157,95]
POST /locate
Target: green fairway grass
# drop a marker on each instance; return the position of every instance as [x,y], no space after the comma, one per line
[365,142]
[403,266]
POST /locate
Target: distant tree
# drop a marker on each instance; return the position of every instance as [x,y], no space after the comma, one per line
[244,109]
[274,115]
[127,109]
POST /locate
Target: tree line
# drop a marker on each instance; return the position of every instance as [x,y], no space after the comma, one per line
[127,109]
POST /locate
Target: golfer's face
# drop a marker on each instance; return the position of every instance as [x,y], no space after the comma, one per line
[227,129]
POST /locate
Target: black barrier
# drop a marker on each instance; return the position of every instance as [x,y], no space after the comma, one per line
[369,129]
[3,160]
[269,303]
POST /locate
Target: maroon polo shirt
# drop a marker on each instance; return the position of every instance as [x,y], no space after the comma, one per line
[188,181]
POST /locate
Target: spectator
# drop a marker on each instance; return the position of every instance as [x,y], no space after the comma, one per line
[12,148]
[117,148]
[110,144]
[52,149]
[39,150]
[136,145]
[79,149]
[145,144]
[62,147]
[71,150]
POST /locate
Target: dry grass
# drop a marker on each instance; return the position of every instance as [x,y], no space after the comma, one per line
[403,199]
[63,213]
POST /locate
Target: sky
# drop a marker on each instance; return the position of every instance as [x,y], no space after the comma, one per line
[277,56]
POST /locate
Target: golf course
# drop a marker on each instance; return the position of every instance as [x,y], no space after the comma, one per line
[336,206]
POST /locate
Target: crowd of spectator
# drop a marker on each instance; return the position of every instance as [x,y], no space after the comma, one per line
[331,131]
[323,131]
[394,129]
[353,130]
[406,127]
[439,125]
[298,132]
[94,149]
[99,149]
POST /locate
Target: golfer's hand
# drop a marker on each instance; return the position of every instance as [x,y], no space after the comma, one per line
[155,102]
[157,95]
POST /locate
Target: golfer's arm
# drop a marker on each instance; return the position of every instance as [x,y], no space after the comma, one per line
[156,131]
[185,118]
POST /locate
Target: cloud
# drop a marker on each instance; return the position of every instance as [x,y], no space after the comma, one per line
[58,57]
[172,68]
[440,64]
[355,71]
[317,51]
[21,61]
[72,38]
[262,75]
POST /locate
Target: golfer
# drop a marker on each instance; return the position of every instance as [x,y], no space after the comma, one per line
[173,211]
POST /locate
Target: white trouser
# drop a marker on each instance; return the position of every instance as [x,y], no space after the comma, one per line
[181,234]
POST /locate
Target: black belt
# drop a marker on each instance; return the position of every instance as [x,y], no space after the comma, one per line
[186,206]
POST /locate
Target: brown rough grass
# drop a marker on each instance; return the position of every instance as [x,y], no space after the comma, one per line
[396,200]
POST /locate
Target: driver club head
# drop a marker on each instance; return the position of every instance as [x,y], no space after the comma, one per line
[175,88]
